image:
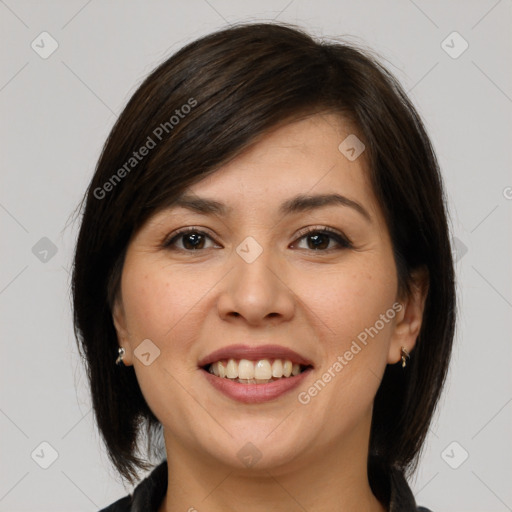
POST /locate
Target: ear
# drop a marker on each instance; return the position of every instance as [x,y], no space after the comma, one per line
[123,337]
[409,318]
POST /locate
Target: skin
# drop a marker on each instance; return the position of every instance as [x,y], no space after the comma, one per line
[315,301]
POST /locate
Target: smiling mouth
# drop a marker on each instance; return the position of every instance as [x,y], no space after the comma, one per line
[261,371]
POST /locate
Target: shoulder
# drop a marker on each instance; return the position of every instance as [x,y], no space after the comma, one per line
[147,496]
[122,505]
[401,496]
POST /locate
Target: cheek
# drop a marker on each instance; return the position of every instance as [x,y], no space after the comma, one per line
[158,299]
[161,304]
[352,299]
[355,342]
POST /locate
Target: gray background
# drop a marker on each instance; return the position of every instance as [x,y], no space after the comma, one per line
[56,114]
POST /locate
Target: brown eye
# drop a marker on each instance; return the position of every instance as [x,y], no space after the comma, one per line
[193,241]
[188,240]
[320,240]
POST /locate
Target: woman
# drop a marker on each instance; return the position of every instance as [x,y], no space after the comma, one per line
[264,251]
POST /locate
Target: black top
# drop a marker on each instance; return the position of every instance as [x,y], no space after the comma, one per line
[149,494]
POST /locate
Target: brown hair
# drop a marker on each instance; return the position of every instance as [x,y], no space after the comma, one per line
[195,112]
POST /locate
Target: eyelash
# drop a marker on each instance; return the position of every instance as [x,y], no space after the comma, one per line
[343,241]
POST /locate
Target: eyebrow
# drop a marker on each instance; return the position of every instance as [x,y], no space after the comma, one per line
[299,203]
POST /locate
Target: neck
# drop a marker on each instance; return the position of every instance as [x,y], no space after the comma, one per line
[331,479]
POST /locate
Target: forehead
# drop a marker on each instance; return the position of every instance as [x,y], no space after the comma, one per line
[302,157]
[296,167]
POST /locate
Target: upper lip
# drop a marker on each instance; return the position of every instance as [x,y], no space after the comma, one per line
[254,353]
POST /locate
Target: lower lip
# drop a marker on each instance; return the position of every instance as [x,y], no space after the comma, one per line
[255,393]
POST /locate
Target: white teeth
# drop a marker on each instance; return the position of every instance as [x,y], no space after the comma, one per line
[245,369]
[263,370]
[231,369]
[222,369]
[277,368]
[255,372]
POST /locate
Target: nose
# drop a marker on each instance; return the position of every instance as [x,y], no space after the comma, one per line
[256,291]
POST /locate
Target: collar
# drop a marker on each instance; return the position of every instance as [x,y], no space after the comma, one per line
[390,486]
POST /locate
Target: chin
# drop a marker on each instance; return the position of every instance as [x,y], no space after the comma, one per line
[257,445]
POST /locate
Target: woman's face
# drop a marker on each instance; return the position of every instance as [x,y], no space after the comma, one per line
[256,277]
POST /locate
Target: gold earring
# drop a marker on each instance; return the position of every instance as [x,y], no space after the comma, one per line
[405,356]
